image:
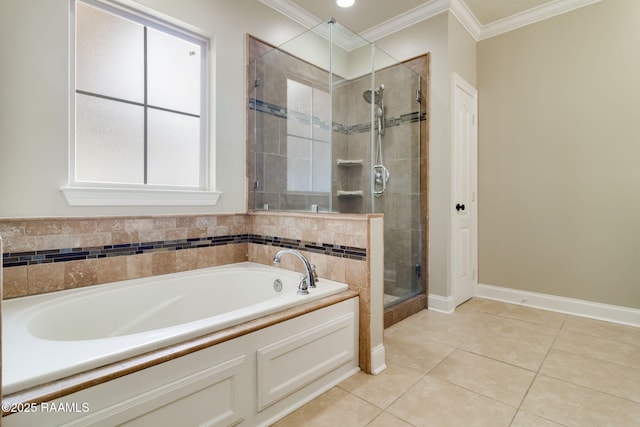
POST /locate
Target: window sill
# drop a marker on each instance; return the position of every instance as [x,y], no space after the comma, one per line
[95,196]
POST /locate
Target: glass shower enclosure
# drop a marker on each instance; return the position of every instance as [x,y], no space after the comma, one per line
[338,125]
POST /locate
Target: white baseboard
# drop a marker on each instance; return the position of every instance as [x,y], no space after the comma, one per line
[441,304]
[593,310]
[378,363]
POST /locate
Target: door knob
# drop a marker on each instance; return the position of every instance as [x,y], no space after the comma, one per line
[459,207]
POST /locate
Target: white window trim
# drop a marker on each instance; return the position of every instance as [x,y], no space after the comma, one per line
[96,196]
[86,194]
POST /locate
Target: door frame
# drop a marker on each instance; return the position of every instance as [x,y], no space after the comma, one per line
[458,83]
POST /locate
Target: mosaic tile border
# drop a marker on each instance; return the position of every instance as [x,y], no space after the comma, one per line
[340,251]
[283,113]
[17,259]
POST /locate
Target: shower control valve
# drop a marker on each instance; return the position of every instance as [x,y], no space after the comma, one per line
[381,175]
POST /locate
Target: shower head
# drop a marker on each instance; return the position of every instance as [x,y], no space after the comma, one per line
[374,96]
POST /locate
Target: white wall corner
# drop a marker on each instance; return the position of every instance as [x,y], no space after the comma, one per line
[441,304]
[378,363]
[575,307]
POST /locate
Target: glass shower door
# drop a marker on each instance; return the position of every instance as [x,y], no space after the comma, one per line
[395,180]
[356,112]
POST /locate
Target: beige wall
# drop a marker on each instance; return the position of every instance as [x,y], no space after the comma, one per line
[559,153]
[462,51]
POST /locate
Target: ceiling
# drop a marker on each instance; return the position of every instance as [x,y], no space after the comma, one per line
[373,19]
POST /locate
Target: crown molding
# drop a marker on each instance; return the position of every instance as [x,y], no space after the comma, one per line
[429,9]
[353,41]
[463,14]
[413,16]
[531,16]
[293,12]
[340,35]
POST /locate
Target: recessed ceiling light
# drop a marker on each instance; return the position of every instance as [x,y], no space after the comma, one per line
[346,3]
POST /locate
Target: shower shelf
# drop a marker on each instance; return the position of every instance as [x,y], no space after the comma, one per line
[350,163]
[357,193]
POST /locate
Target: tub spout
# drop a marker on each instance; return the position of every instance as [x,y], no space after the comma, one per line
[310,278]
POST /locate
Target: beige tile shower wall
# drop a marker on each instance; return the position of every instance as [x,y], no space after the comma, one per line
[347,230]
[337,229]
[22,235]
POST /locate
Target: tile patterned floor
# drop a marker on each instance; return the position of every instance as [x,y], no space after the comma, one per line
[491,364]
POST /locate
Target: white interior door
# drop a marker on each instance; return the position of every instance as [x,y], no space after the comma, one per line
[464,259]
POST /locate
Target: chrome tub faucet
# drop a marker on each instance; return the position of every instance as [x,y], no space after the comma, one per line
[309,279]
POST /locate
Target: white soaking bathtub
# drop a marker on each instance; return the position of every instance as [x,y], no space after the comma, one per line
[51,336]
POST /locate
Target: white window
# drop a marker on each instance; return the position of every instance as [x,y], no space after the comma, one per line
[139,109]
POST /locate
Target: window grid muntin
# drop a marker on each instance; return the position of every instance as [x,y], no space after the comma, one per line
[174,31]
